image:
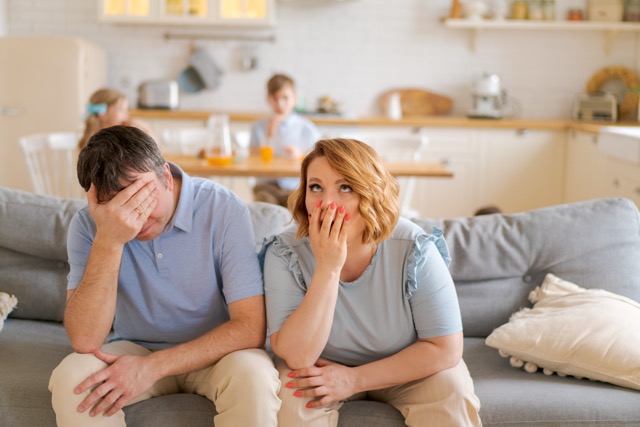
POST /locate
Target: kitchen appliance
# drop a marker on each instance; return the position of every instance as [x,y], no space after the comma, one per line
[488,97]
[45,83]
[595,107]
[158,94]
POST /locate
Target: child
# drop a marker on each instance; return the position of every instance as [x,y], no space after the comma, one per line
[108,107]
[289,134]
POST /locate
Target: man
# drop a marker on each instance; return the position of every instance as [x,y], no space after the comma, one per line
[169,262]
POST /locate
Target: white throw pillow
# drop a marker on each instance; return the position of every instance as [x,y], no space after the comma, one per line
[7,304]
[586,333]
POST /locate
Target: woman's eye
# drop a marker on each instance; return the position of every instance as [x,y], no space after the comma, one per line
[314,187]
[344,188]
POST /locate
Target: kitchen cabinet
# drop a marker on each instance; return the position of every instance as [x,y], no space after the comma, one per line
[590,173]
[242,13]
[521,169]
[459,150]
[125,10]
[585,167]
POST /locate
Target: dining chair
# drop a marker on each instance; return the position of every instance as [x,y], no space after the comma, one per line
[51,160]
[398,147]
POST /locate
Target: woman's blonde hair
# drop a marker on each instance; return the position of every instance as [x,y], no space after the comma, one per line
[104,96]
[363,170]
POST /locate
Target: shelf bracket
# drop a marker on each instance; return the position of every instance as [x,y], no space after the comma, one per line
[473,39]
[609,35]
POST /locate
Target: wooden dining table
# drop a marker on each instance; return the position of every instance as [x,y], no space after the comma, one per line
[280,167]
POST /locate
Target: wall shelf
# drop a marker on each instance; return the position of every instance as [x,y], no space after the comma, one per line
[609,28]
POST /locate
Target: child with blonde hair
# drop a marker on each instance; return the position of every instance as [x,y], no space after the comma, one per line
[108,107]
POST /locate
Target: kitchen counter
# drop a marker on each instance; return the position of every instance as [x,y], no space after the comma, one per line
[426,121]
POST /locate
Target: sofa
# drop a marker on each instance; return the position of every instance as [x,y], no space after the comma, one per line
[497,260]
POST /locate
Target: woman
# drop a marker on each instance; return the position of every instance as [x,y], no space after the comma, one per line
[108,107]
[360,303]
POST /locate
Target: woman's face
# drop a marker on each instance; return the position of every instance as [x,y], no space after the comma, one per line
[117,114]
[326,185]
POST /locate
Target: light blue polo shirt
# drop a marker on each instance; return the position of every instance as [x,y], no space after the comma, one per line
[176,287]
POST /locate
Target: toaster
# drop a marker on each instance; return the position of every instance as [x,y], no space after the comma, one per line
[595,107]
[159,94]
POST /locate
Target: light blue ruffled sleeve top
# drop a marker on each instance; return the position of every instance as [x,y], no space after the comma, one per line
[405,293]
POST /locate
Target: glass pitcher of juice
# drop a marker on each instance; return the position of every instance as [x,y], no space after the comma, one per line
[218,146]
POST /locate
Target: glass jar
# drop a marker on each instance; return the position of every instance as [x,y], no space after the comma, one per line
[575,15]
[549,10]
[632,11]
[535,10]
[519,9]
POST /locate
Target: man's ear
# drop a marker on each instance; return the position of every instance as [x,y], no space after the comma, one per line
[168,176]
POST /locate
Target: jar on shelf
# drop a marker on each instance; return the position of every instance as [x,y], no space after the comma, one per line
[519,9]
[575,15]
[632,11]
[549,10]
[535,10]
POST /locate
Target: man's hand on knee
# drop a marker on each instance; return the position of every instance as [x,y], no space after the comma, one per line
[125,378]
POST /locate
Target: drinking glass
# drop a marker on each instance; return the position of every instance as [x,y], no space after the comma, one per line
[266,150]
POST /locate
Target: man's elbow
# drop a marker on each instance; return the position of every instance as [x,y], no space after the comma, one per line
[84,346]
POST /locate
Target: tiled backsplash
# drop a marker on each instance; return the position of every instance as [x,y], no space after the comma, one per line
[351,51]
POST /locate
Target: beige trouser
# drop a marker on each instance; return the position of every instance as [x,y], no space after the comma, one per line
[445,399]
[243,385]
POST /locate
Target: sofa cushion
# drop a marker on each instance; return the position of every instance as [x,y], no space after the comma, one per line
[33,252]
[498,259]
[267,219]
[573,331]
[36,225]
[513,397]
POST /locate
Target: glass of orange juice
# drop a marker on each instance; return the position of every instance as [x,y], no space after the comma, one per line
[218,146]
[266,151]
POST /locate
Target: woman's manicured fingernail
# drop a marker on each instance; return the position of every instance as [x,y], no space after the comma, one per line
[289,385]
[291,375]
[341,210]
[308,405]
[347,217]
[318,203]
[297,393]
[332,205]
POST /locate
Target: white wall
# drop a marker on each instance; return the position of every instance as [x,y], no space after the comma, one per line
[3,18]
[351,51]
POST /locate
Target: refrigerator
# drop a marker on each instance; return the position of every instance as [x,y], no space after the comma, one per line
[45,83]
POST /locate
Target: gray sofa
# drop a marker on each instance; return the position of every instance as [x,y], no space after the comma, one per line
[497,260]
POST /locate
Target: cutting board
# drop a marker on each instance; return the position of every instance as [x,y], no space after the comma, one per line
[418,102]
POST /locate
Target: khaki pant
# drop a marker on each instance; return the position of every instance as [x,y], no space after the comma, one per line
[445,399]
[243,385]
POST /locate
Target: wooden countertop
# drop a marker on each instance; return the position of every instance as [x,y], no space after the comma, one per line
[425,121]
[278,167]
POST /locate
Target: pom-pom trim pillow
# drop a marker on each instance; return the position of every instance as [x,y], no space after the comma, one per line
[586,333]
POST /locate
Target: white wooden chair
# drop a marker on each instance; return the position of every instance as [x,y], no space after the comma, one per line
[51,159]
[398,147]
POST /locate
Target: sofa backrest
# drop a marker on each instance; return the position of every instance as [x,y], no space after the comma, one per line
[33,248]
[498,259]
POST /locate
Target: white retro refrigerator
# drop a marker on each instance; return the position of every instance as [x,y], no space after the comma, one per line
[45,83]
